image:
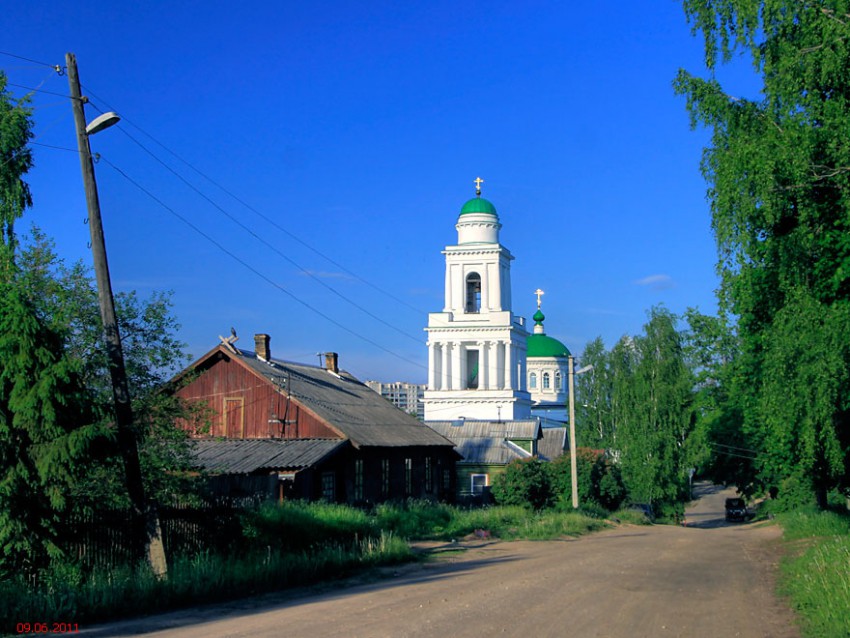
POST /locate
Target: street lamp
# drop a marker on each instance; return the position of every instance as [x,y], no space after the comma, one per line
[146,522]
[573,469]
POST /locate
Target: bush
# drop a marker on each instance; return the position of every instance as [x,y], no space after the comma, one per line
[599,480]
[524,482]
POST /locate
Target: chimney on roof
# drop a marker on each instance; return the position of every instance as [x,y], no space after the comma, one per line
[261,346]
[331,362]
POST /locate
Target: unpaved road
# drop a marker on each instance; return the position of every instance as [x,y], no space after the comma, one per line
[707,580]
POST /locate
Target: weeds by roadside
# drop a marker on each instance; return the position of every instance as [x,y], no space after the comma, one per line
[817,579]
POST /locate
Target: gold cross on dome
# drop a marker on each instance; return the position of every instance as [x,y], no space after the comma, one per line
[478,181]
[539,294]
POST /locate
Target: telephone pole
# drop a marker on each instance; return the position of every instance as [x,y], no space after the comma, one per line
[146,522]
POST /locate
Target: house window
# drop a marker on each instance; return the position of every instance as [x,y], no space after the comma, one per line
[532,380]
[545,380]
[472,369]
[477,483]
[473,292]
[429,475]
[328,491]
[447,480]
[408,477]
[385,477]
[358,479]
[558,381]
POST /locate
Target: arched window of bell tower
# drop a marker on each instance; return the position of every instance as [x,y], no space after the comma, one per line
[473,292]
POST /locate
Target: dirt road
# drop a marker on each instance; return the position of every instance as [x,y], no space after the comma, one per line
[707,580]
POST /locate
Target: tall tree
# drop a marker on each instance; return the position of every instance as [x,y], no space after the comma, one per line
[44,416]
[656,413]
[778,169]
[65,296]
[594,427]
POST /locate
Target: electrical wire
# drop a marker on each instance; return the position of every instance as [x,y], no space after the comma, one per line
[254,270]
[37,90]
[55,67]
[266,243]
[257,212]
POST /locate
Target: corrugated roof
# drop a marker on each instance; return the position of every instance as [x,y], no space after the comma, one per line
[361,414]
[244,456]
[468,428]
[553,443]
[487,442]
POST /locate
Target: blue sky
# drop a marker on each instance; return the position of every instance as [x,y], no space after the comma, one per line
[355,131]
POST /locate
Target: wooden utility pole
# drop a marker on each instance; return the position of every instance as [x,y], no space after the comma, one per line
[573,469]
[146,522]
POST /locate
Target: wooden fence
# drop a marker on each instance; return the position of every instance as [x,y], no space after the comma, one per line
[104,539]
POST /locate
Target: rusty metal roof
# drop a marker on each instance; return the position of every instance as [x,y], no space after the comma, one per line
[361,414]
[244,456]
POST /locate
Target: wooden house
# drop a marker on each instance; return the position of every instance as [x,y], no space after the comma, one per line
[296,430]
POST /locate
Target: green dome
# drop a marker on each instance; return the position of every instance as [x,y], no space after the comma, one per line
[478,205]
[543,346]
[538,316]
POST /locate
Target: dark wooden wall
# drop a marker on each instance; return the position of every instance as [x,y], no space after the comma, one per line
[246,406]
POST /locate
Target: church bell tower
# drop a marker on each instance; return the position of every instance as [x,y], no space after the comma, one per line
[476,345]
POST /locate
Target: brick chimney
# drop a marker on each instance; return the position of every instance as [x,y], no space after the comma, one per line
[331,362]
[261,346]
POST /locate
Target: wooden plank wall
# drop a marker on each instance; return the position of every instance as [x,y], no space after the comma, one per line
[246,406]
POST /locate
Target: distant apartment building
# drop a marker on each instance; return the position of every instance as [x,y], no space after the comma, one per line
[406,396]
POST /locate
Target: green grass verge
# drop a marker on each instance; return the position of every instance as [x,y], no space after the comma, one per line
[192,580]
[817,578]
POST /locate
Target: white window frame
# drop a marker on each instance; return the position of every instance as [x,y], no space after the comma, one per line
[472,478]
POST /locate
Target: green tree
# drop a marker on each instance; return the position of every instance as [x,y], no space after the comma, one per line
[66,298]
[594,426]
[778,169]
[656,414]
[45,420]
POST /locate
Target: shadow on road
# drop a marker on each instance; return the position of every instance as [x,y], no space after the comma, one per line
[384,579]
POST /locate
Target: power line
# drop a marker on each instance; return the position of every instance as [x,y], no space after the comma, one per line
[257,212]
[37,90]
[56,67]
[254,270]
[266,243]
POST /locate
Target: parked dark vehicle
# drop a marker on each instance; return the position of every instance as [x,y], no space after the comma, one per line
[736,509]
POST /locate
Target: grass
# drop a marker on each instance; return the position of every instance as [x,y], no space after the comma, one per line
[817,579]
[191,580]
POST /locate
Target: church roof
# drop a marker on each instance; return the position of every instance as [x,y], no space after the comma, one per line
[540,345]
[478,205]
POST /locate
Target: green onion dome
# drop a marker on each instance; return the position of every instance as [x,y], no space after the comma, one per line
[478,205]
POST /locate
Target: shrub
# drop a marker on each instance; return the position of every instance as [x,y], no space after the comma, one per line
[599,480]
[524,482]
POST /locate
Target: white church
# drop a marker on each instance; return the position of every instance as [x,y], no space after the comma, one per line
[483,364]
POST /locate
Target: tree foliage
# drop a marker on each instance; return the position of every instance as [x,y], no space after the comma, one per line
[778,169]
[45,417]
[65,296]
[526,483]
[638,404]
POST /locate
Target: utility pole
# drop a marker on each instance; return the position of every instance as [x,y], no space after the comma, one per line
[572,386]
[146,522]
